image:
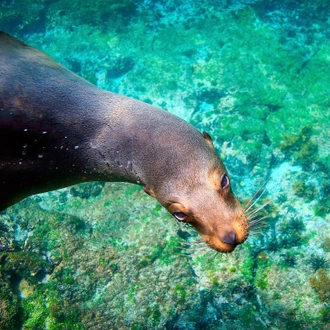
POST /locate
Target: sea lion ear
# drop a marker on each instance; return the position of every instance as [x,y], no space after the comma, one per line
[208,139]
[149,191]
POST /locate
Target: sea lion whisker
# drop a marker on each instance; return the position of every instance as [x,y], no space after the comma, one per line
[203,248]
[199,242]
[253,201]
[255,211]
[184,254]
[195,248]
[261,226]
[256,233]
[255,219]
[257,230]
[253,215]
[203,252]
[185,242]
[213,255]
[248,205]
[258,222]
[254,222]
[186,249]
[251,218]
[249,209]
[197,253]
[190,247]
[219,255]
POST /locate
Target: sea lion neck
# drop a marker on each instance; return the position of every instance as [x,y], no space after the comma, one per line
[159,145]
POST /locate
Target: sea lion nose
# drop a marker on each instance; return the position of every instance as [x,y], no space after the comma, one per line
[229,238]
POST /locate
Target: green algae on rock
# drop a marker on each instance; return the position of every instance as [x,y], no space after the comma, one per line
[9,307]
[321,283]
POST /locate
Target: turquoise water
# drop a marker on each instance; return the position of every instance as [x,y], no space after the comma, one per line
[254,74]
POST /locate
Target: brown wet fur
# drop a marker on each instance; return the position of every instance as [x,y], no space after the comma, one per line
[56,130]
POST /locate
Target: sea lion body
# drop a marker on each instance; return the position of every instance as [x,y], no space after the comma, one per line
[57,129]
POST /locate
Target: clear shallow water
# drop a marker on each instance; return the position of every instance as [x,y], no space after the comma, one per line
[254,75]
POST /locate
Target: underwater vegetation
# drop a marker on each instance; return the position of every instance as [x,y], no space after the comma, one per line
[300,147]
[281,234]
[308,191]
[27,15]
[323,207]
[87,191]
[318,262]
[326,244]
[321,283]
[250,73]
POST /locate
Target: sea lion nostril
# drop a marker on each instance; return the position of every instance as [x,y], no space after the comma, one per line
[229,238]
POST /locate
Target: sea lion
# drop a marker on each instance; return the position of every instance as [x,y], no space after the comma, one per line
[57,130]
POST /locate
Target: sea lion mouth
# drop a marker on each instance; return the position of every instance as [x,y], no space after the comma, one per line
[226,248]
[224,244]
[221,247]
[225,240]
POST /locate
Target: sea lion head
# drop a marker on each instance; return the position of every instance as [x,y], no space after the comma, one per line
[201,195]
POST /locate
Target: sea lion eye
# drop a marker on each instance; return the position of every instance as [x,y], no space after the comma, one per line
[180,216]
[225,182]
